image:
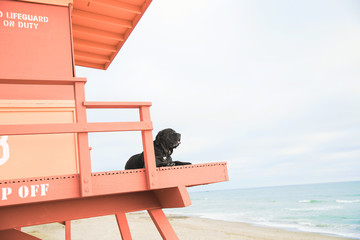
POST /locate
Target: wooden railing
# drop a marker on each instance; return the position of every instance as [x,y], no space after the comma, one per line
[82,128]
[145,126]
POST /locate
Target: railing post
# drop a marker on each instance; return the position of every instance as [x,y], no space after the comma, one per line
[148,147]
[83,142]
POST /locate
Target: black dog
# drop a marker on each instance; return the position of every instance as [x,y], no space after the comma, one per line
[165,142]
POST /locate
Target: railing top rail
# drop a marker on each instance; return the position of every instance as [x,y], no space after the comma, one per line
[56,128]
[116,104]
[42,80]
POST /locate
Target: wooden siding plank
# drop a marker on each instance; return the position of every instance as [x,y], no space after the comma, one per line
[90,56]
[118,5]
[97,33]
[101,18]
[93,45]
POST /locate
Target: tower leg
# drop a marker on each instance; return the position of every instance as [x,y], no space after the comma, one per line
[162,224]
[123,226]
[67,230]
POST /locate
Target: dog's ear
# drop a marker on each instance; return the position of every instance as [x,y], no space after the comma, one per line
[158,138]
[161,134]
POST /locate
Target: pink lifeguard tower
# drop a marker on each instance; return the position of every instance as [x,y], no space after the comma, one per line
[45,167]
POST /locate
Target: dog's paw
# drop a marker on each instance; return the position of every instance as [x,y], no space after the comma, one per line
[179,163]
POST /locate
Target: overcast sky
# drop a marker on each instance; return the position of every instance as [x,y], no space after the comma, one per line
[271,87]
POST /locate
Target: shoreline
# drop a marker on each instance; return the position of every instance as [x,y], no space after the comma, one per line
[187,228]
[257,226]
[280,227]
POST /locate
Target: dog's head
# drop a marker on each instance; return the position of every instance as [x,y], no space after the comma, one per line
[168,139]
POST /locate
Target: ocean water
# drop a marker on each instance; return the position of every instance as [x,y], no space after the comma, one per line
[330,208]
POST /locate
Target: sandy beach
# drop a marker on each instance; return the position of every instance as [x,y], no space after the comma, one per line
[187,228]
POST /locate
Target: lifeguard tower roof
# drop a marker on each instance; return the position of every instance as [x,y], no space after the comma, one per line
[101,27]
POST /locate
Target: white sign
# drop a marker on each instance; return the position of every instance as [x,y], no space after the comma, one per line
[22,20]
[25,191]
[5,150]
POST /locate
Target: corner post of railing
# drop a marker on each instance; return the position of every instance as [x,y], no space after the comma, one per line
[83,142]
[148,147]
